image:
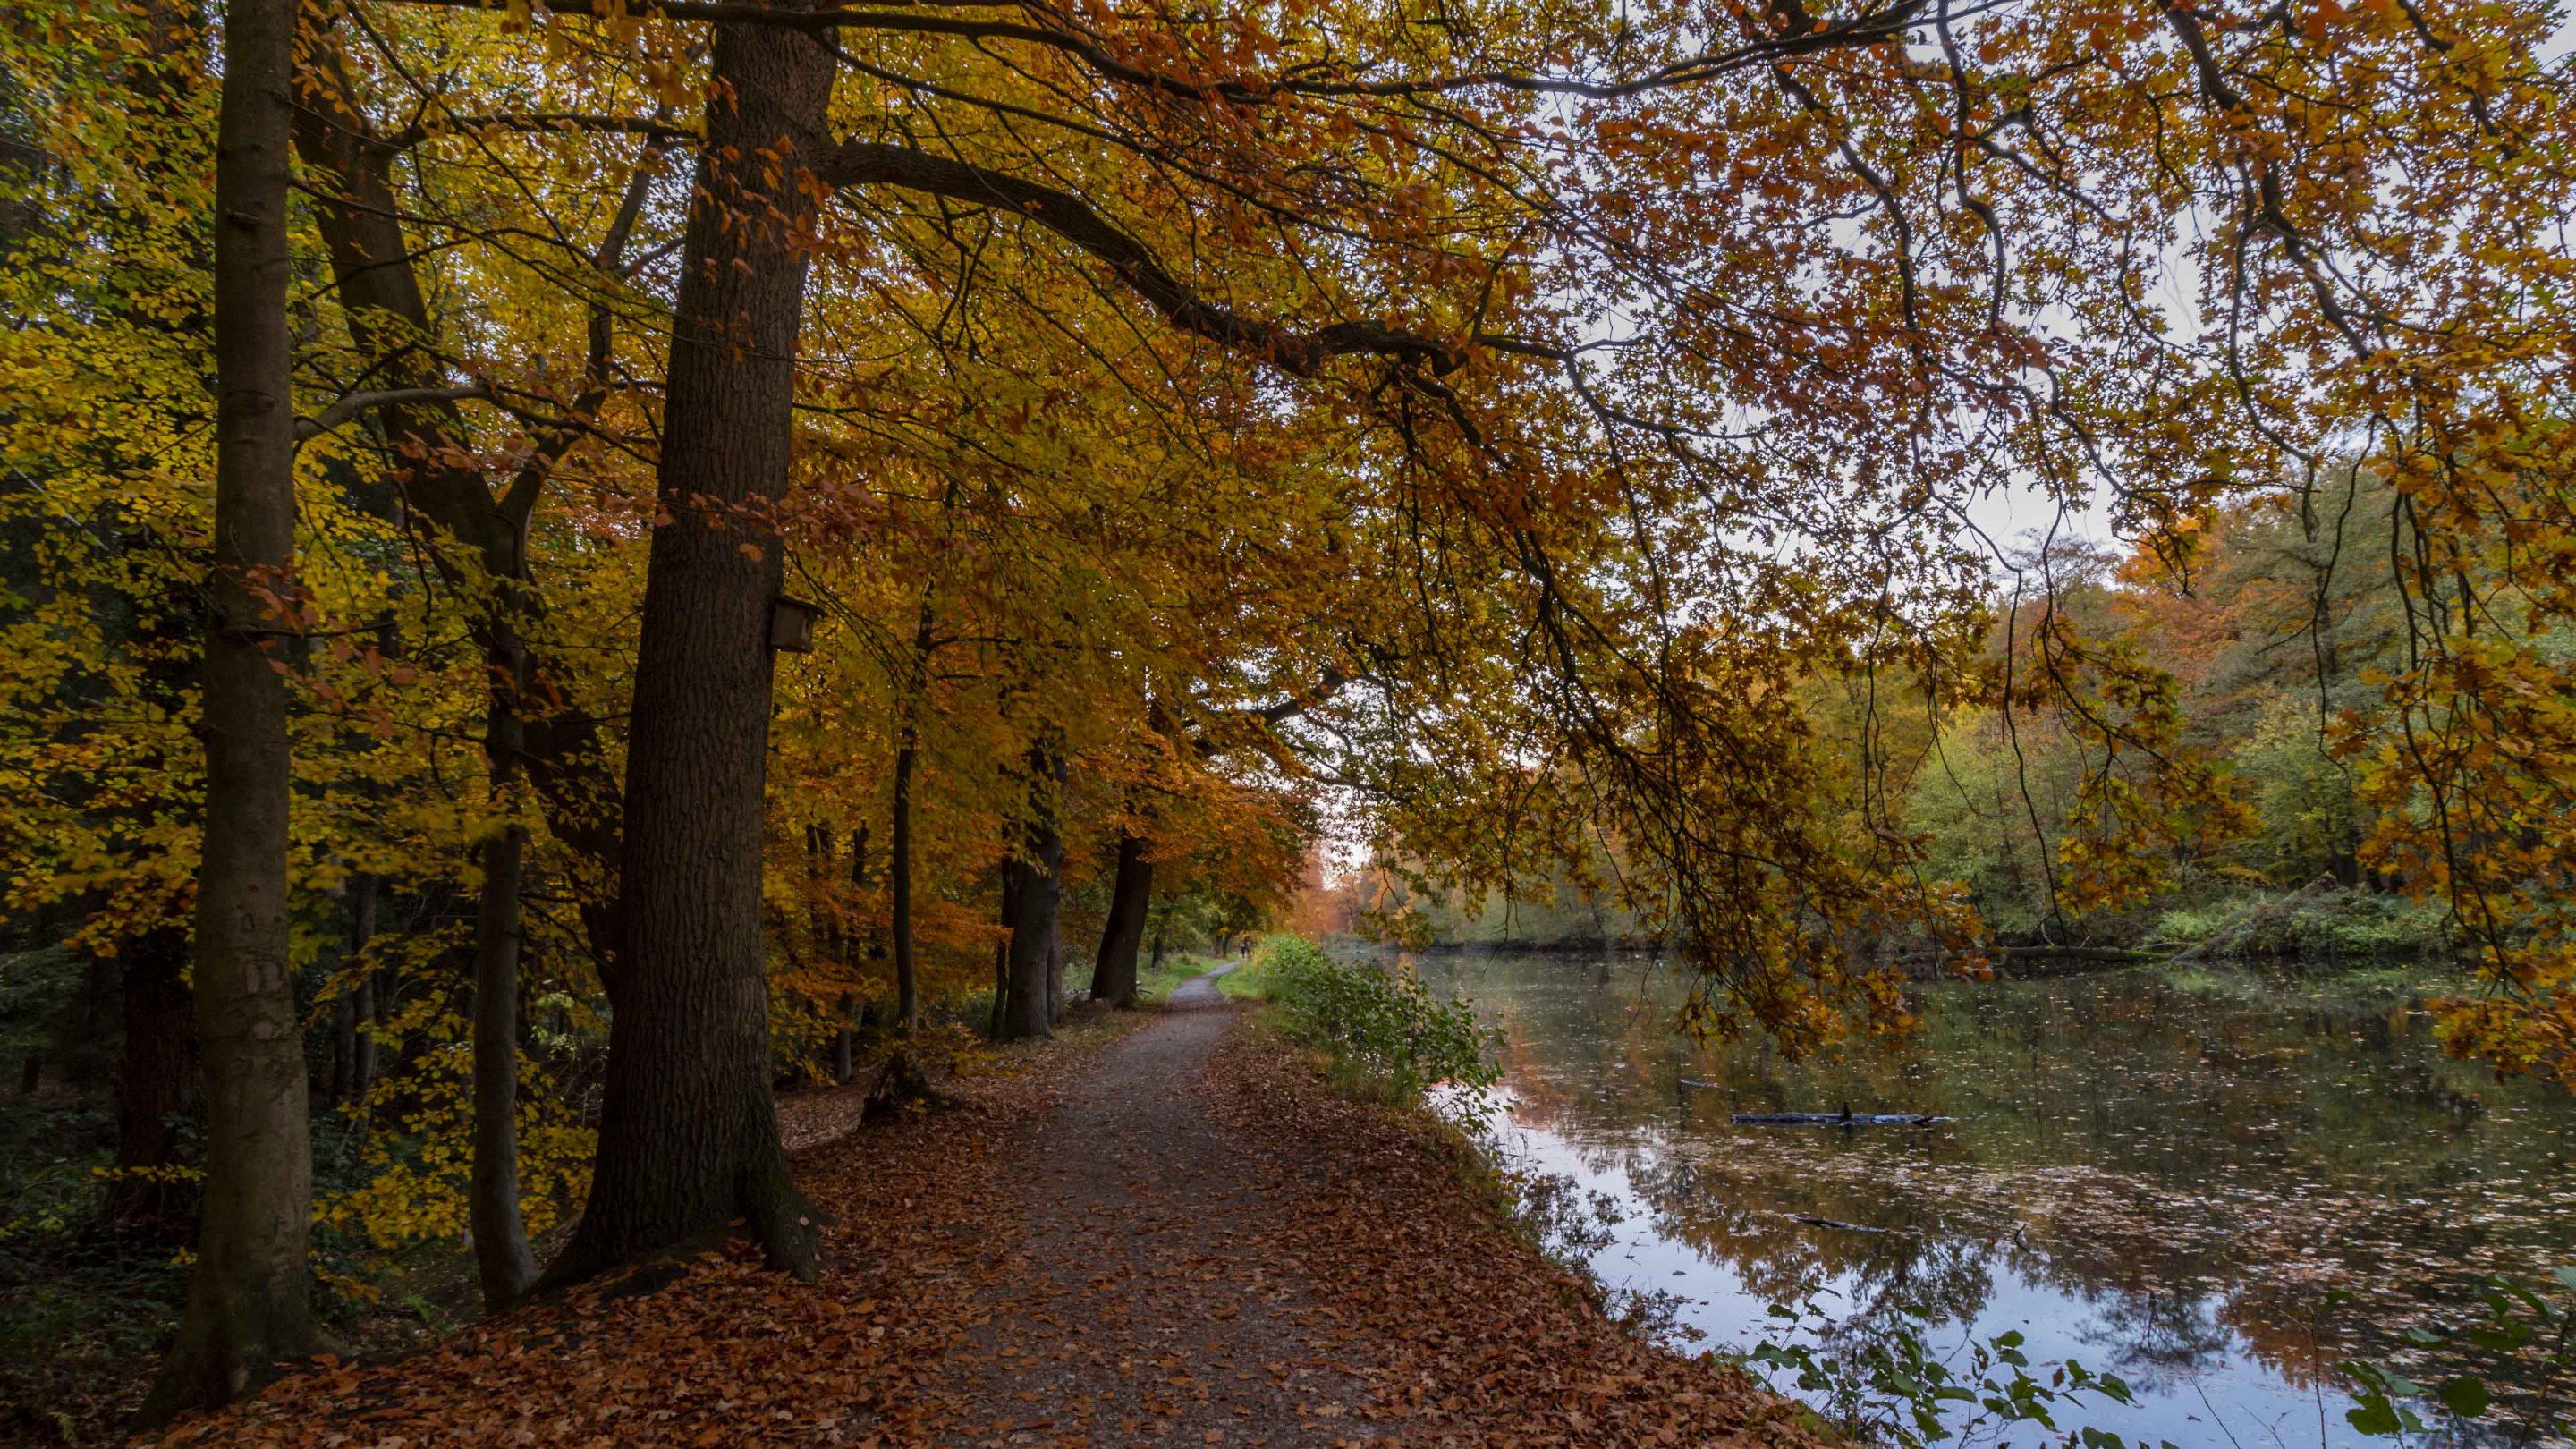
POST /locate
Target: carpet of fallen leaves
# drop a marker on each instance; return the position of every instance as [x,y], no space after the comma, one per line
[1396,1305]
[1464,1333]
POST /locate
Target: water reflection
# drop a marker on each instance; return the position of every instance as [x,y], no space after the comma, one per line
[2166,1176]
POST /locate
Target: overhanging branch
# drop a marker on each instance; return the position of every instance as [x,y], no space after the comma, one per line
[880,163]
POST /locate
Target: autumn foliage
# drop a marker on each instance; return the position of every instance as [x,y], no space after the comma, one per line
[1520,431]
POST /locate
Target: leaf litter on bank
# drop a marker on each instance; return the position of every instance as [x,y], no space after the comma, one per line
[1420,1318]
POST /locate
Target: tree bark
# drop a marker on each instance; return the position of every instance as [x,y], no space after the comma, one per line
[688,1136]
[1038,897]
[503,1264]
[249,1302]
[1131,896]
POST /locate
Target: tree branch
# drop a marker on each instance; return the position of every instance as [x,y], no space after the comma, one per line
[355,403]
[1876,27]
[866,163]
[540,121]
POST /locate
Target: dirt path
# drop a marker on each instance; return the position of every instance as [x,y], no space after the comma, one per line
[1157,1232]
[1140,1307]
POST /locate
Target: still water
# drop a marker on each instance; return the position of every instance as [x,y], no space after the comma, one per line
[2214,1184]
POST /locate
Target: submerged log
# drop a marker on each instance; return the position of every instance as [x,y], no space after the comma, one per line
[1837,1119]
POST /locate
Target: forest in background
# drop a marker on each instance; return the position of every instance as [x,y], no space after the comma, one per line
[2277,628]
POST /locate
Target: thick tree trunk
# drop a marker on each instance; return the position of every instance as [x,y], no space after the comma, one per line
[1131,896]
[688,1137]
[1037,897]
[249,1303]
[502,1262]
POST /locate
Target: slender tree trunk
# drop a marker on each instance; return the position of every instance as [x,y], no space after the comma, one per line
[344,1046]
[1055,972]
[502,1261]
[845,1047]
[907,979]
[1028,1010]
[155,1083]
[249,1303]
[360,221]
[1131,896]
[688,1136]
[1010,916]
[157,1078]
[368,997]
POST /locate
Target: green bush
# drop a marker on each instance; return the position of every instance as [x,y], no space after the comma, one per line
[1389,1039]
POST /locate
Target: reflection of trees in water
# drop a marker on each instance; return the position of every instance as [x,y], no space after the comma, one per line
[2154,1339]
[2190,1156]
[1784,1260]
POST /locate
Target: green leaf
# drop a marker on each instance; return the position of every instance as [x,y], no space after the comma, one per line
[2466,1397]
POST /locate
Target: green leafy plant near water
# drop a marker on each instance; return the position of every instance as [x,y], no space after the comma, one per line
[2529,1333]
[1891,1389]
[1389,1038]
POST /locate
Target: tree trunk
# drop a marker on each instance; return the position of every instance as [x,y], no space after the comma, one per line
[367,997]
[844,1047]
[360,221]
[1055,972]
[249,1302]
[688,1136]
[502,1262]
[344,1046]
[1002,953]
[1038,897]
[907,979]
[155,1084]
[1131,895]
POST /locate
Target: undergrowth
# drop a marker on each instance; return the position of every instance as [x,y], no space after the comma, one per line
[1387,1038]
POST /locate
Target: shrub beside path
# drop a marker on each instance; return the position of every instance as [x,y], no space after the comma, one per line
[1159,1231]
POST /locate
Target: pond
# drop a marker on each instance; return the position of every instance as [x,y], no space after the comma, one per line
[2216,1184]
